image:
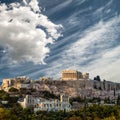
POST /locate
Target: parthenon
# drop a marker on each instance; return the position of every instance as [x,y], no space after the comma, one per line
[74,75]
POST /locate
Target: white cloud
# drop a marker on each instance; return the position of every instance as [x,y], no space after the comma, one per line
[24,33]
[94,52]
[60,6]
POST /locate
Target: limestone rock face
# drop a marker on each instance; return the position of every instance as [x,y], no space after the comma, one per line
[83,88]
[71,88]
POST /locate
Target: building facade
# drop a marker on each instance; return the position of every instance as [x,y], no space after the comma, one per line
[38,103]
[74,75]
[85,75]
[19,82]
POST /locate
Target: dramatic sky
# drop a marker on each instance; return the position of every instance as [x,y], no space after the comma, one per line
[41,38]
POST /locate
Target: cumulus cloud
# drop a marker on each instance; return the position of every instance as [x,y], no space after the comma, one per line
[26,32]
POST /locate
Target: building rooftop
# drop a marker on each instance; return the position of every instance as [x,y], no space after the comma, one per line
[70,71]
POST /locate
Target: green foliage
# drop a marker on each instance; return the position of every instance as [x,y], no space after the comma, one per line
[74,118]
[97,78]
[47,95]
[95,99]
[94,112]
[23,114]
[33,90]
[6,114]
[4,95]
[13,100]
[76,99]
[23,90]
[107,100]
[12,89]
[118,100]
[110,118]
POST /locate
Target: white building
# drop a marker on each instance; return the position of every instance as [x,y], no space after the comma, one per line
[39,103]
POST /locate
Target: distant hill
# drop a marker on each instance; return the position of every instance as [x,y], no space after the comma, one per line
[74,88]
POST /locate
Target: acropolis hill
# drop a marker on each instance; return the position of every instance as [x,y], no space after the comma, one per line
[72,83]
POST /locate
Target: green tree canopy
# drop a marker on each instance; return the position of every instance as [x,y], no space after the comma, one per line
[6,114]
[12,89]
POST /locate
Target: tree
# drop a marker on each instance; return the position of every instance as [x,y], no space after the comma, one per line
[97,78]
[110,118]
[12,89]
[6,114]
[118,100]
[4,95]
[74,118]
[104,81]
